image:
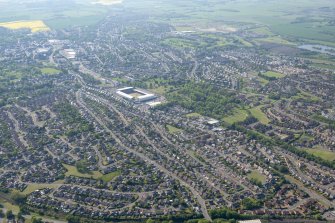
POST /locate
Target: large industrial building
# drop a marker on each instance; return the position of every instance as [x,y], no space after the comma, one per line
[135,95]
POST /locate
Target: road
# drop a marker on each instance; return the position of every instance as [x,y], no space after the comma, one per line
[200,200]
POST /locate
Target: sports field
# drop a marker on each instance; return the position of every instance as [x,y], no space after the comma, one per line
[34,26]
[322,153]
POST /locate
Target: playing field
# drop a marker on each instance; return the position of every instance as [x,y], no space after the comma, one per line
[34,26]
[136,94]
[49,70]
[322,153]
[274,74]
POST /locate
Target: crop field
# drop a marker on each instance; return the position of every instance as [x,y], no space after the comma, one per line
[34,26]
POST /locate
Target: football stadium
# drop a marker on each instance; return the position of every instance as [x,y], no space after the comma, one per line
[135,95]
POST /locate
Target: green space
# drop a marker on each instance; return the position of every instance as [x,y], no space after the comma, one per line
[274,39]
[263,81]
[73,171]
[238,115]
[110,176]
[50,70]
[205,99]
[322,153]
[55,14]
[243,42]
[193,114]
[261,116]
[256,176]
[179,43]
[33,187]
[305,138]
[274,74]
[173,130]
[9,206]
[160,90]
[262,30]
[306,96]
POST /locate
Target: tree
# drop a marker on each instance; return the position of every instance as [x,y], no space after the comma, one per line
[10,215]
[73,219]
[36,220]
[20,216]
[250,203]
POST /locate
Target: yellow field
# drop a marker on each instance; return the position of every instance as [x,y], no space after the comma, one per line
[34,26]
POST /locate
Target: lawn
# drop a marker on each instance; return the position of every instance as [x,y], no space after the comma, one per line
[72,171]
[262,30]
[34,26]
[322,153]
[256,175]
[160,90]
[194,114]
[33,187]
[172,129]
[9,206]
[49,70]
[261,116]
[275,39]
[238,115]
[110,176]
[274,74]
[243,41]
[179,43]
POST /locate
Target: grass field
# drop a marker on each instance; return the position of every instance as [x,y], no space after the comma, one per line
[160,90]
[194,114]
[172,129]
[239,115]
[256,175]
[34,26]
[49,70]
[179,43]
[110,176]
[32,187]
[72,171]
[274,74]
[243,42]
[257,113]
[275,39]
[322,153]
[9,206]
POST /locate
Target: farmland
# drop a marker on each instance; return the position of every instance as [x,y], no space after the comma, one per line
[34,26]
